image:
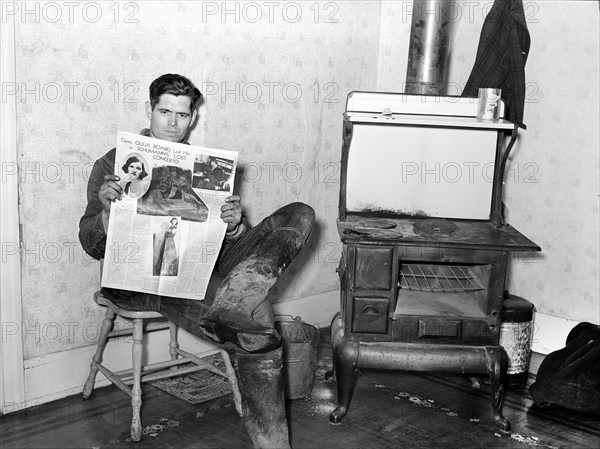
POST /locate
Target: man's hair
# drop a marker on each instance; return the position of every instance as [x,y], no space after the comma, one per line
[174,84]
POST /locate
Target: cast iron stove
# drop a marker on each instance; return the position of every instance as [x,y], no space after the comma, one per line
[425,249]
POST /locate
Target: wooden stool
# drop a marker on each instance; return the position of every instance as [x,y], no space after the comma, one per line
[153,371]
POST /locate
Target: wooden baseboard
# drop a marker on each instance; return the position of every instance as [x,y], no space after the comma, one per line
[534,363]
[61,374]
[317,310]
[550,332]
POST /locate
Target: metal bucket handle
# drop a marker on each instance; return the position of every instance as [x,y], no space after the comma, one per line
[294,318]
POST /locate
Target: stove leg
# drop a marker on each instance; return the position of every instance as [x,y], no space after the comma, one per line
[497,368]
[345,359]
[337,336]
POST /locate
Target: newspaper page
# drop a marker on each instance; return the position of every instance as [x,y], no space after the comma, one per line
[164,236]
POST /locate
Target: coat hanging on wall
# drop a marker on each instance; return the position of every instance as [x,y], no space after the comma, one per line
[501,56]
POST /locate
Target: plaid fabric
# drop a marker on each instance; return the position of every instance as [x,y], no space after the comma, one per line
[501,57]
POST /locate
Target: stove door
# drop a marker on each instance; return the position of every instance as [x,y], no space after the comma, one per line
[421,171]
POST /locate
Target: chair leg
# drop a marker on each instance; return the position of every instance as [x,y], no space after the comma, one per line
[173,343]
[136,390]
[107,325]
[233,383]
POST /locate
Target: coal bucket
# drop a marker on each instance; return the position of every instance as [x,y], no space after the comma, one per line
[300,343]
[516,336]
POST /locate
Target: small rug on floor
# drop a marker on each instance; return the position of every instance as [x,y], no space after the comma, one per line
[199,386]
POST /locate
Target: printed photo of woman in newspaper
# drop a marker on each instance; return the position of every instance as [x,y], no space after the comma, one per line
[166,256]
[135,182]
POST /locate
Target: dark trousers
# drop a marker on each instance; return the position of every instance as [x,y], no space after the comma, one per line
[298,218]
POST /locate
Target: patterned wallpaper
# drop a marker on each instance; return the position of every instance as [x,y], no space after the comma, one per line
[552,177]
[552,181]
[275,80]
[553,188]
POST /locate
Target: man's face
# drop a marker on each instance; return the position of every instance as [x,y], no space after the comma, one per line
[171,117]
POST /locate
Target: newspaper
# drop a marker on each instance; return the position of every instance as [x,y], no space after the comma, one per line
[164,236]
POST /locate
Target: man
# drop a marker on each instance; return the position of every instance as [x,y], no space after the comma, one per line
[216,176]
[250,262]
[212,177]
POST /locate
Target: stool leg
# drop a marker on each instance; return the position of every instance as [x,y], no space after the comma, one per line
[173,343]
[136,390]
[107,325]
[233,383]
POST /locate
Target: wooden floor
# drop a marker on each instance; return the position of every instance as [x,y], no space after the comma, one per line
[389,410]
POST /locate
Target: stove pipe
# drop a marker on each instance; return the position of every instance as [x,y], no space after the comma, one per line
[430,31]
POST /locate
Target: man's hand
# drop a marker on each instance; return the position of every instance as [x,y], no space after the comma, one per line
[231,212]
[110,191]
